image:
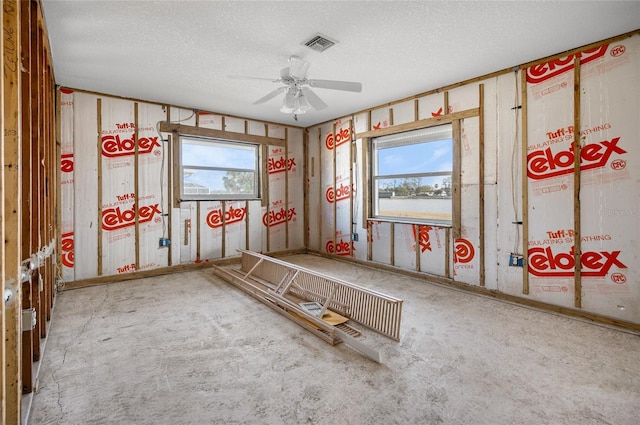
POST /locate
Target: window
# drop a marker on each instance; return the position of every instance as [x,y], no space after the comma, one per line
[216,169]
[411,175]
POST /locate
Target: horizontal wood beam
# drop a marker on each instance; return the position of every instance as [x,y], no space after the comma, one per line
[427,122]
[220,134]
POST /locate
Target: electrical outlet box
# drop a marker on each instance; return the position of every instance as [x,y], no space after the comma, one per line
[28,319]
[164,242]
[515,260]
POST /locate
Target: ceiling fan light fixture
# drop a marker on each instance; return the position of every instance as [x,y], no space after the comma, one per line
[298,98]
[302,104]
[289,102]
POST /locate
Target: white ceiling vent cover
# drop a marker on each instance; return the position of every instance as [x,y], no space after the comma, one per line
[319,43]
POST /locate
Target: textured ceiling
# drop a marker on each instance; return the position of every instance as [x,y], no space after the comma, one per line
[182,52]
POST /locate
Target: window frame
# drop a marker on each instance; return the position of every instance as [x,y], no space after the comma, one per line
[375,176]
[256,194]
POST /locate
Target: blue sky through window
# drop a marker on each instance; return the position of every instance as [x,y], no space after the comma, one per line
[208,153]
[425,157]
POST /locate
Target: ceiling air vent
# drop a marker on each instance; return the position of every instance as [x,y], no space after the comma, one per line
[319,43]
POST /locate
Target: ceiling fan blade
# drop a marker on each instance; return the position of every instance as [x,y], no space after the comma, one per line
[243,77]
[313,99]
[270,96]
[336,85]
[298,67]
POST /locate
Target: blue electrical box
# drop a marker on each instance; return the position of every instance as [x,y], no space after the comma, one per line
[515,260]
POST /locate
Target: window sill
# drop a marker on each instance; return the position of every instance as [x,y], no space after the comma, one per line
[412,221]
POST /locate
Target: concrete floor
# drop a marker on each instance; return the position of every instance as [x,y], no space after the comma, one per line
[192,349]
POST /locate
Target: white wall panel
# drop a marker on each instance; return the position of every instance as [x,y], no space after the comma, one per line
[491,253]
[490,207]
[432,242]
[360,186]
[431,106]
[281,210]
[85,170]
[256,128]
[314,190]
[276,131]
[255,227]
[67,186]
[211,219]
[235,125]
[404,245]
[509,178]
[340,194]
[491,130]
[136,205]
[119,210]
[380,118]
[152,182]
[327,171]
[469,152]
[361,123]
[209,120]
[403,112]
[380,238]
[295,167]
[464,97]
[466,251]
[235,227]
[182,116]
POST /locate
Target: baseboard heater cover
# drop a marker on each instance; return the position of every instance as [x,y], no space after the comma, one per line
[321,304]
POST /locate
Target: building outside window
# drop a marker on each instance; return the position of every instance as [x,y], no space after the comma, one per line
[411,176]
[218,170]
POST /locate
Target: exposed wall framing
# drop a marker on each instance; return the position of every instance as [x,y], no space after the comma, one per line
[525,184]
[11,220]
[456,189]
[320,196]
[99,188]
[308,172]
[481,184]
[577,146]
[203,231]
[286,185]
[28,182]
[136,183]
[480,153]
[333,179]
[265,194]
[423,123]
[169,214]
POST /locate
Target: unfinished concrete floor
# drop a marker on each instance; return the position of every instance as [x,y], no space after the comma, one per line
[192,349]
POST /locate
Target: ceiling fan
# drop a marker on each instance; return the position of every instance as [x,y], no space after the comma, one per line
[299,98]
